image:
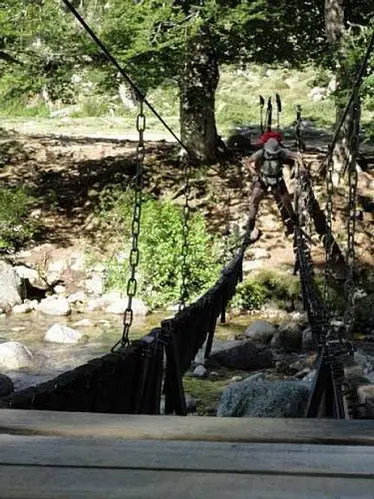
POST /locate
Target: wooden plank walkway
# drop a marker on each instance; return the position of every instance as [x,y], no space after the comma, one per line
[79,455]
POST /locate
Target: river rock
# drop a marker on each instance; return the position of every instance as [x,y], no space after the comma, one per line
[6,386]
[288,338]
[28,273]
[78,297]
[94,304]
[366,398]
[58,306]
[85,323]
[10,286]
[200,371]
[96,284]
[24,308]
[14,355]
[242,354]
[364,313]
[267,399]
[307,342]
[118,307]
[59,333]
[260,332]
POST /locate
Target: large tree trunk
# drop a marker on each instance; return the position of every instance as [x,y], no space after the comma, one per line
[198,84]
[345,77]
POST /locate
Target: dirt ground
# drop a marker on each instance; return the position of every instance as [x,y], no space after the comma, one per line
[67,173]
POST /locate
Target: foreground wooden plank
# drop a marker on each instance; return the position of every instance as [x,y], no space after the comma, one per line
[218,457]
[187,428]
[58,483]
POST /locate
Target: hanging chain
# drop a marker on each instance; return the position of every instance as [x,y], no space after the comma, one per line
[328,236]
[185,234]
[134,256]
[351,222]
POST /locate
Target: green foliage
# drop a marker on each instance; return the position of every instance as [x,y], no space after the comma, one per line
[266,285]
[16,227]
[160,246]
[250,295]
[280,285]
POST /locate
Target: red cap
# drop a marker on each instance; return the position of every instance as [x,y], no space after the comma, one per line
[269,135]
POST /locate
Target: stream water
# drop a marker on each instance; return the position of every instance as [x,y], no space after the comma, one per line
[52,359]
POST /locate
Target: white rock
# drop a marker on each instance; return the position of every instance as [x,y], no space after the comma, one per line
[119,307]
[96,285]
[54,306]
[85,323]
[260,331]
[10,286]
[79,296]
[94,305]
[111,297]
[26,273]
[14,355]
[62,334]
[59,289]
[23,308]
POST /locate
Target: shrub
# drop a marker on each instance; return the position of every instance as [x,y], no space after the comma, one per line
[250,295]
[16,227]
[160,245]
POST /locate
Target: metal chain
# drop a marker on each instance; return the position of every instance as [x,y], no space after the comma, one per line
[329,208]
[135,229]
[185,234]
[351,222]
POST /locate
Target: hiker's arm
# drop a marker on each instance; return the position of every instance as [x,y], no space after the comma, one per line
[253,162]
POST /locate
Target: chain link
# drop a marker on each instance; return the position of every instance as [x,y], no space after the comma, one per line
[134,255]
[328,236]
[351,222]
[185,234]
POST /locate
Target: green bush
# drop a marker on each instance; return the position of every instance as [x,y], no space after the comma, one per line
[250,295]
[160,245]
[16,227]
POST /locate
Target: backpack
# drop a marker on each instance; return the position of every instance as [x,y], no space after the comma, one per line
[271,167]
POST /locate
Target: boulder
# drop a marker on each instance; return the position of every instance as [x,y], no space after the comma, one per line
[96,284]
[14,356]
[307,342]
[364,313]
[58,306]
[260,331]
[23,308]
[62,334]
[118,307]
[200,371]
[10,286]
[267,399]
[78,297]
[242,354]
[6,386]
[365,395]
[287,338]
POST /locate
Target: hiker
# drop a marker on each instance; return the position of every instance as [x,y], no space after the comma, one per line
[269,168]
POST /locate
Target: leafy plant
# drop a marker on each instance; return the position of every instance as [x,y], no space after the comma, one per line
[16,227]
[160,245]
[250,295]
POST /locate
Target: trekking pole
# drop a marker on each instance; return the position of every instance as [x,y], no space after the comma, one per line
[279,109]
[269,113]
[299,140]
[262,104]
